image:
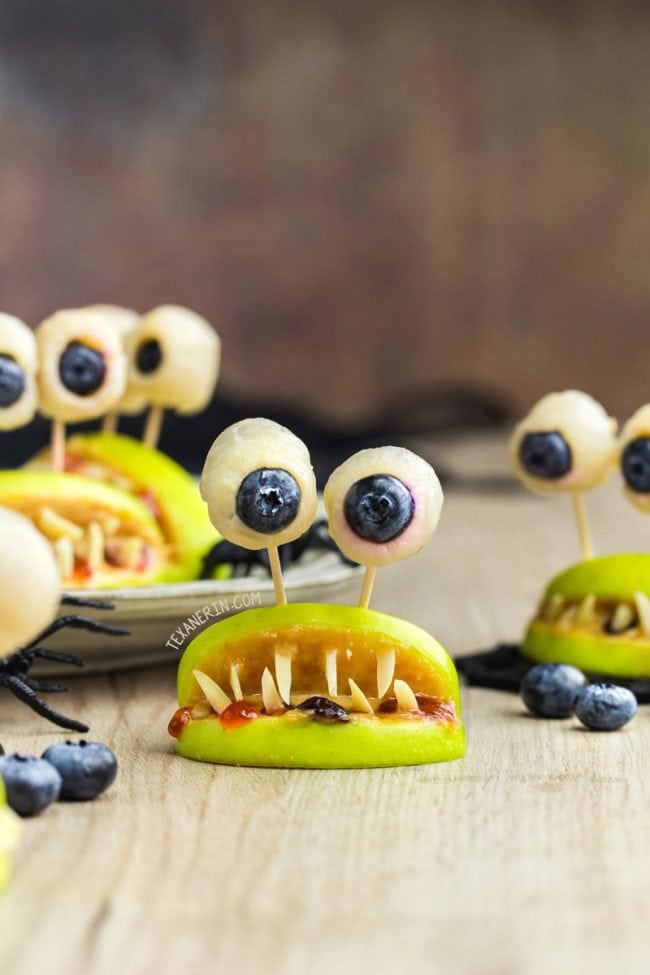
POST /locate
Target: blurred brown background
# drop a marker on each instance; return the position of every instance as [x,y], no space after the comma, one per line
[362,196]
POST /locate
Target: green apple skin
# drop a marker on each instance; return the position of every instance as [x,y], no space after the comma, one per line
[611,577]
[183,513]
[9,833]
[295,741]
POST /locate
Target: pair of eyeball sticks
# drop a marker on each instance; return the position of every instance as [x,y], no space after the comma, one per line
[569,444]
[382,503]
[103,360]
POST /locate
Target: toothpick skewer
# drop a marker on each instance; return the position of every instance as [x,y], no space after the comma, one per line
[276,573]
[580,511]
[58,445]
[110,423]
[368,583]
[153,427]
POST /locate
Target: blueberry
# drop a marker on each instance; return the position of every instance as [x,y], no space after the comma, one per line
[268,500]
[86,768]
[82,369]
[379,508]
[12,381]
[149,357]
[635,465]
[605,707]
[31,784]
[551,690]
[546,455]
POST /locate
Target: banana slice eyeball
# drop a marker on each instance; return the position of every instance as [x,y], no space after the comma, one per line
[30,589]
[174,359]
[124,320]
[259,484]
[82,365]
[18,362]
[635,457]
[566,443]
[382,504]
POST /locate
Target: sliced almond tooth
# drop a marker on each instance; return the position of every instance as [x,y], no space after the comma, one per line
[111,524]
[95,553]
[64,553]
[585,612]
[270,696]
[568,616]
[642,604]
[406,699]
[201,709]
[553,607]
[283,675]
[331,673]
[359,700]
[56,526]
[385,671]
[235,684]
[215,695]
[623,617]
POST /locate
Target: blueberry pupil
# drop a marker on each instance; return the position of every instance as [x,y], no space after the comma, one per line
[268,500]
[82,369]
[12,381]
[149,356]
[545,455]
[636,465]
[379,508]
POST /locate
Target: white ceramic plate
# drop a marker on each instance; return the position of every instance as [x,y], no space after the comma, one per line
[163,619]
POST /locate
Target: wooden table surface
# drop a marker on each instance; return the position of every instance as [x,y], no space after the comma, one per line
[530,856]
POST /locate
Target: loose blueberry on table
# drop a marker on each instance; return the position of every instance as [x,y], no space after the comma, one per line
[605,707]
[87,768]
[551,690]
[32,784]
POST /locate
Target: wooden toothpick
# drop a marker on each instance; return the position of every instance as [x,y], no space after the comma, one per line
[368,583]
[58,445]
[276,572]
[110,423]
[582,521]
[153,426]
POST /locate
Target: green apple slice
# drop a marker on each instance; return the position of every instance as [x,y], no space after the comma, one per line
[169,492]
[241,683]
[102,536]
[10,830]
[596,616]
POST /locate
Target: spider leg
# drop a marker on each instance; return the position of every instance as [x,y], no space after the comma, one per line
[77,623]
[40,653]
[43,686]
[24,693]
[87,603]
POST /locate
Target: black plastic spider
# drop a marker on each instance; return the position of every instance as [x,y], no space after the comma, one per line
[240,558]
[14,669]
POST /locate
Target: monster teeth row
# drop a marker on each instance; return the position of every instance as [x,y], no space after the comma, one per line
[586,613]
[276,692]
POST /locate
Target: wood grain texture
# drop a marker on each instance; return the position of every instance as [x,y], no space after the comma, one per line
[530,856]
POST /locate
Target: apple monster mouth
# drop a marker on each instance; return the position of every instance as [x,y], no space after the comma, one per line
[160,488]
[596,616]
[296,683]
[100,535]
